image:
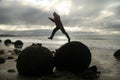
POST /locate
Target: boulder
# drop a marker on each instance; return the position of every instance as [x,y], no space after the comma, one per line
[117,54]
[7,42]
[35,60]
[74,57]
[18,44]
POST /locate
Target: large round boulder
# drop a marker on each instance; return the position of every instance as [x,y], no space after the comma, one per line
[18,44]
[35,60]
[73,57]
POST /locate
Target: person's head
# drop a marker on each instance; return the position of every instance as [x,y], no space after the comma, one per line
[54,14]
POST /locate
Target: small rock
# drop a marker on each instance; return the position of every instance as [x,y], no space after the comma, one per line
[2,60]
[91,73]
[10,57]
[17,51]
[11,71]
[37,44]
[10,51]
[2,52]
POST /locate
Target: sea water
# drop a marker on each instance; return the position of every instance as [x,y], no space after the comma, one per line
[91,40]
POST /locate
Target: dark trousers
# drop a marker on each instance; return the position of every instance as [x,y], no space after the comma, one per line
[63,31]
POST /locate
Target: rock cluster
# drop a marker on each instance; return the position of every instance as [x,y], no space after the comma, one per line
[38,60]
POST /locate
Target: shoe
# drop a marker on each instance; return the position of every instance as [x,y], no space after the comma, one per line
[49,38]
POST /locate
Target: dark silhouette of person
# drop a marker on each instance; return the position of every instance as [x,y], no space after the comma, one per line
[59,26]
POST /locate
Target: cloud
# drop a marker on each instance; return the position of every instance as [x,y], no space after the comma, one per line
[22,15]
[33,12]
[80,13]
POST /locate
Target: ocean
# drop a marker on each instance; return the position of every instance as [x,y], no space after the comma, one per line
[89,39]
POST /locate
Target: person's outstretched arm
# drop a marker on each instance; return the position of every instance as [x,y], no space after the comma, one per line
[51,19]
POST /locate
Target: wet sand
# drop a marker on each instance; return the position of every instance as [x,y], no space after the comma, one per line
[102,58]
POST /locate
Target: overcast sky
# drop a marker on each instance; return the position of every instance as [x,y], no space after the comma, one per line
[33,14]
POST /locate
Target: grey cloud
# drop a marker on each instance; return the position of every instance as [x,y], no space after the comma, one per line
[91,10]
[19,14]
[113,25]
[116,10]
[91,7]
[23,15]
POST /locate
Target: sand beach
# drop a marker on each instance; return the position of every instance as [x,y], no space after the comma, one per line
[101,57]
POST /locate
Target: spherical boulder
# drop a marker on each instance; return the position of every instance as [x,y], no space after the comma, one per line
[7,42]
[0,40]
[18,44]
[35,60]
[117,54]
[73,57]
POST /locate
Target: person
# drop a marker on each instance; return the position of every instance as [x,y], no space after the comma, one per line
[59,26]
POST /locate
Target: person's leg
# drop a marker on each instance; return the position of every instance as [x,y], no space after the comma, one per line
[64,32]
[53,32]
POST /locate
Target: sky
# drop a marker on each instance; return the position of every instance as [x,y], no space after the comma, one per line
[77,15]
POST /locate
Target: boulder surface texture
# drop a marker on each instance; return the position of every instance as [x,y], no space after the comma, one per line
[74,57]
[35,60]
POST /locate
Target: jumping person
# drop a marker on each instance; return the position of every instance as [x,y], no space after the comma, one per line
[59,25]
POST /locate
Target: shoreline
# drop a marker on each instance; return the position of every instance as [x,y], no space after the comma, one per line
[102,58]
